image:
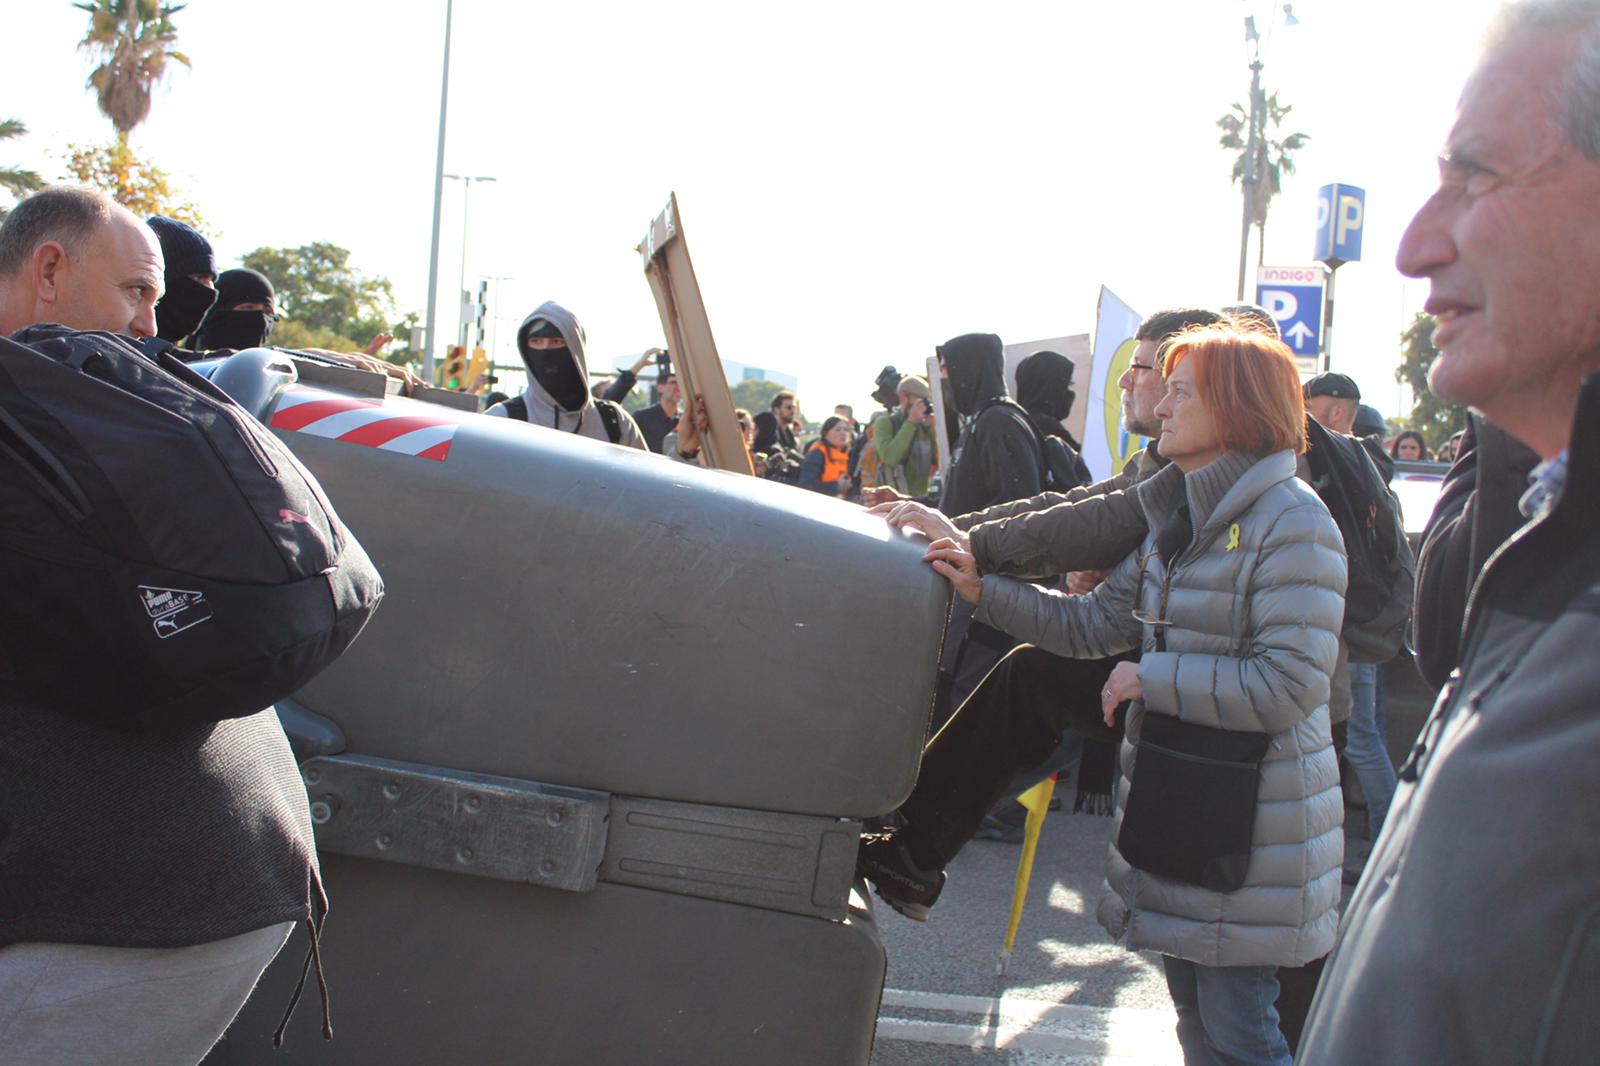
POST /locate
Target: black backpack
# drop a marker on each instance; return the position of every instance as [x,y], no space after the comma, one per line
[1058,467]
[610,415]
[166,561]
[1378,597]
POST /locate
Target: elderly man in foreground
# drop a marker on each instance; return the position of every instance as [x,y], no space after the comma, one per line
[1474,936]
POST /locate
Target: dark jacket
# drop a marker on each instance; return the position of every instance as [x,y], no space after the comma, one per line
[997,457]
[655,424]
[1093,527]
[1474,935]
[142,839]
[770,434]
[1475,513]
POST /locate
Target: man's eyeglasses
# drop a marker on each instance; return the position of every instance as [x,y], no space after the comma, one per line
[1132,367]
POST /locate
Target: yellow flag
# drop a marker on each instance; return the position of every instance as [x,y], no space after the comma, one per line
[1037,801]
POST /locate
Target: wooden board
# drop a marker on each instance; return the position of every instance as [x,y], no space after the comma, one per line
[694,352]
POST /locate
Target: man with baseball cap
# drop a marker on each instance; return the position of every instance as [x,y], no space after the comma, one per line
[1332,399]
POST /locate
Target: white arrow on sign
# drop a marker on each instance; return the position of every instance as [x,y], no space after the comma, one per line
[1298,334]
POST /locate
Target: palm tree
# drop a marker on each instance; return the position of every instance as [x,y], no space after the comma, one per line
[18,181]
[1273,157]
[133,39]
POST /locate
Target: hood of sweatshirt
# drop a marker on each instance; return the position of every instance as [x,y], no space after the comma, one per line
[1044,385]
[976,364]
[558,378]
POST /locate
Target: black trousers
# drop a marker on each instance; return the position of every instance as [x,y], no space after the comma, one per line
[1010,724]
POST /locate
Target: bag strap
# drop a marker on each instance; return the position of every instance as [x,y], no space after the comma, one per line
[517,407]
[611,415]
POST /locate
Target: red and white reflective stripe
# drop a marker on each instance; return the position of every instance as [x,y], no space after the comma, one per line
[406,430]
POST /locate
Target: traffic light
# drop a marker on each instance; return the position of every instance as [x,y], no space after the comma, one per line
[478,370]
[455,368]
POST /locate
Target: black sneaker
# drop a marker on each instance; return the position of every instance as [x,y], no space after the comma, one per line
[885,861]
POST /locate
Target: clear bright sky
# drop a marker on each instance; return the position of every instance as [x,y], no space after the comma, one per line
[857,182]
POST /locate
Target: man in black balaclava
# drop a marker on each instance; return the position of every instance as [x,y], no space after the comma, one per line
[243,315]
[551,343]
[1044,389]
[191,278]
[996,459]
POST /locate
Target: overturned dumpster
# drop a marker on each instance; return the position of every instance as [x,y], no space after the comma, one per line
[589,787]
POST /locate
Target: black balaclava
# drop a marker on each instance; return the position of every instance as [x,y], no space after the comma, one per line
[226,327]
[1044,385]
[185,301]
[554,368]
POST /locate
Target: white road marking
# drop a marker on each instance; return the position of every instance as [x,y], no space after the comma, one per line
[1066,1033]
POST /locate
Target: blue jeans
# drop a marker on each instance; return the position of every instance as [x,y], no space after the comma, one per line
[1226,1014]
[1366,750]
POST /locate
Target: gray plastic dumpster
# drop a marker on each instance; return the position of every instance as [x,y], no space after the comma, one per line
[589,787]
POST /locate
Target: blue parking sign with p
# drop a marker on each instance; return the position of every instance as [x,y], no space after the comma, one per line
[1341,214]
[1293,297]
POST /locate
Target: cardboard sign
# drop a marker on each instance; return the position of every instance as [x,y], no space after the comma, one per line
[694,352]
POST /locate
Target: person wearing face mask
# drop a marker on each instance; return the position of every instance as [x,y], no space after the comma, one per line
[551,343]
[243,315]
[1044,389]
[190,276]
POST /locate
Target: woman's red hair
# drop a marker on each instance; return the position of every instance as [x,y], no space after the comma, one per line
[1248,381]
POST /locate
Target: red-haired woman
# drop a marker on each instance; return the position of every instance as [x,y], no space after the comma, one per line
[1227,844]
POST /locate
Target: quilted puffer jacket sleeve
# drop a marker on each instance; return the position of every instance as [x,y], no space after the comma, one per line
[1295,605]
[1082,627]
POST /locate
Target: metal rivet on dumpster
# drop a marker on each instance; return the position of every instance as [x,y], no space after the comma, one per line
[465,854]
[391,791]
[313,775]
[547,868]
[384,840]
[473,803]
[553,819]
[322,812]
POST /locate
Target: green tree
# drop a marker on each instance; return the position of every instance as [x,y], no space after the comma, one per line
[133,39]
[755,395]
[15,180]
[140,186]
[1274,155]
[324,302]
[1436,420]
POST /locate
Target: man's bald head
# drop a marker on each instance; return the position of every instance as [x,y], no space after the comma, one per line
[72,255]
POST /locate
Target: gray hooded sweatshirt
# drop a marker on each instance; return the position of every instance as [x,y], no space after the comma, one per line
[579,414]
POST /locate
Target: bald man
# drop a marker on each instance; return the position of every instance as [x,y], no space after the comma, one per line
[146,879]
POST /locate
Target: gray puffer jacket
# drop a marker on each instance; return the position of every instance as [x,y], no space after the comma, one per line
[1253,606]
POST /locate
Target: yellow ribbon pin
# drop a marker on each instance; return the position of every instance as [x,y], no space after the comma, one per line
[1233,536]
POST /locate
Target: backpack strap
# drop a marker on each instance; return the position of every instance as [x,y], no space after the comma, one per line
[516,407]
[611,415]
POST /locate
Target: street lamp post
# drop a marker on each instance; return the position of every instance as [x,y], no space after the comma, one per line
[1254,148]
[466,196]
[1252,166]
[438,201]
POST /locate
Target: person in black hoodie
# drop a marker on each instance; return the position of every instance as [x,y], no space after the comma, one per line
[1044,389]
[997,457]
[995,460]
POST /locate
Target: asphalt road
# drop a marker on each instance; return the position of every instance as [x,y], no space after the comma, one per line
[1069,997]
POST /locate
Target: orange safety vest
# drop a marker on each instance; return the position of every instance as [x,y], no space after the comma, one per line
[836,463]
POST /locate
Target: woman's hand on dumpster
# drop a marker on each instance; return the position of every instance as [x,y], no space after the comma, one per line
[958,566]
